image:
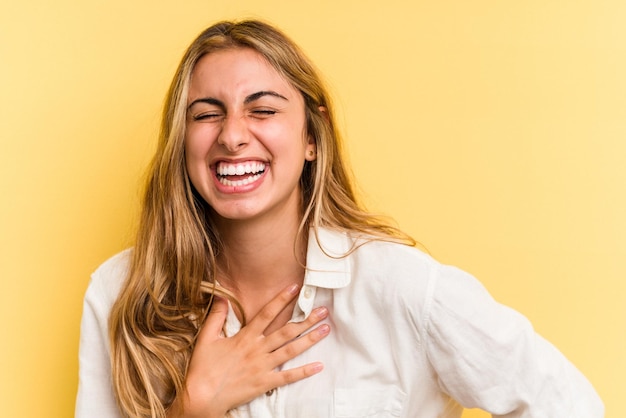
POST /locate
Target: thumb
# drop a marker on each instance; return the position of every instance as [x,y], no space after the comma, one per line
[215,320]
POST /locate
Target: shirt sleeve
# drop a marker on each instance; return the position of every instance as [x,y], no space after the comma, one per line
[95,392]
[488,356]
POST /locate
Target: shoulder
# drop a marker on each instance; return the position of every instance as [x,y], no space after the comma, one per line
[409,262]
[411,276]
[115,266]
[396,275]
[345,250]
[391,258]
[108,278]
[95,396]
[385,267]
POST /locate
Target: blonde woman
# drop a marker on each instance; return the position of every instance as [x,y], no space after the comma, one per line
[259,287]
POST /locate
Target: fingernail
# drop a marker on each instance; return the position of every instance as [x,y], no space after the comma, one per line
[317,367]
[323,330]
[293,289]
[321,312]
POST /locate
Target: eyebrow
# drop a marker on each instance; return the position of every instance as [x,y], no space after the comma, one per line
[207,100]
[259,94]
[249,99]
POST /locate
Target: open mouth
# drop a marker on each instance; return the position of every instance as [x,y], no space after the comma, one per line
[239,174]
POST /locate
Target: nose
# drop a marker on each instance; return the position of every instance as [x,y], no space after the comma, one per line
[234,134]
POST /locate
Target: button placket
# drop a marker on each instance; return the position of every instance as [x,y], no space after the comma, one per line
[306,299]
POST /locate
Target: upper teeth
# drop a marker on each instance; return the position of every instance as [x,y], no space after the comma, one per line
[251,167]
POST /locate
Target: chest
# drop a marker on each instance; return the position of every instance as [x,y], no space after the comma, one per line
[373,367]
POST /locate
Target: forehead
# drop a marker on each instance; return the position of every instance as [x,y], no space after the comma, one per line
[236,68]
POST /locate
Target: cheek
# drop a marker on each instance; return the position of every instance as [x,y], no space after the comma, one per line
[195,160]
[287,139]
[197,144]
[192,151]
[196,166]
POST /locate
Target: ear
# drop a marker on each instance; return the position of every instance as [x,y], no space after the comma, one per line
[310,151]
[324,111]
[311,148]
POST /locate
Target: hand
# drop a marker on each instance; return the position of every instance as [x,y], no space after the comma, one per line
[227,372]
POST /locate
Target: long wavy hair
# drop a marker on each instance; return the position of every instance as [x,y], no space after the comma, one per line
[171,283]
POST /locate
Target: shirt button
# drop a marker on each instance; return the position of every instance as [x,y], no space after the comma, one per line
[308,292]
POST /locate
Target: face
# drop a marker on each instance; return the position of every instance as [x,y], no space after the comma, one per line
[246,141]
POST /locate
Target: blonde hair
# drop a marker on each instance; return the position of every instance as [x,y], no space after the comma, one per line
[171,282]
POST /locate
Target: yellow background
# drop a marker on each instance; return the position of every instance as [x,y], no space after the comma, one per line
[493,131]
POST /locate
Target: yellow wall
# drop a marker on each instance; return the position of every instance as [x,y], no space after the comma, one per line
[493,131]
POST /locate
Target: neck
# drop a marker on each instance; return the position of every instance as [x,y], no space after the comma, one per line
[260,258]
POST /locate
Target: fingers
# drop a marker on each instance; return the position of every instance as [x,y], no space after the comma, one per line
[215,320]
[293,349]
[290,338]
[248,362]
[264,318]
[295,329]
[286,377]
[299,345]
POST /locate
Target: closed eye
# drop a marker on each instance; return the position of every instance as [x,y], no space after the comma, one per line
[263,113]
[207,116]
[206,108]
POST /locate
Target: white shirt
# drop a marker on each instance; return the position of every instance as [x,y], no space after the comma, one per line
[409,338]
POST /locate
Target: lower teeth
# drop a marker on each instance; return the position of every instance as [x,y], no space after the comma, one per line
[238,183]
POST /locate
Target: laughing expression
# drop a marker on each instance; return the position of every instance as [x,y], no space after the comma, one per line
[246,141]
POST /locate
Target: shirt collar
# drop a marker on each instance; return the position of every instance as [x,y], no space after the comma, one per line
[327,265]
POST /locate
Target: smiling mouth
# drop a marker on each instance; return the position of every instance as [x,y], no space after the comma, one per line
[239,174]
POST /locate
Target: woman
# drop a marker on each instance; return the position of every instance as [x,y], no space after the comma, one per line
[259,287]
